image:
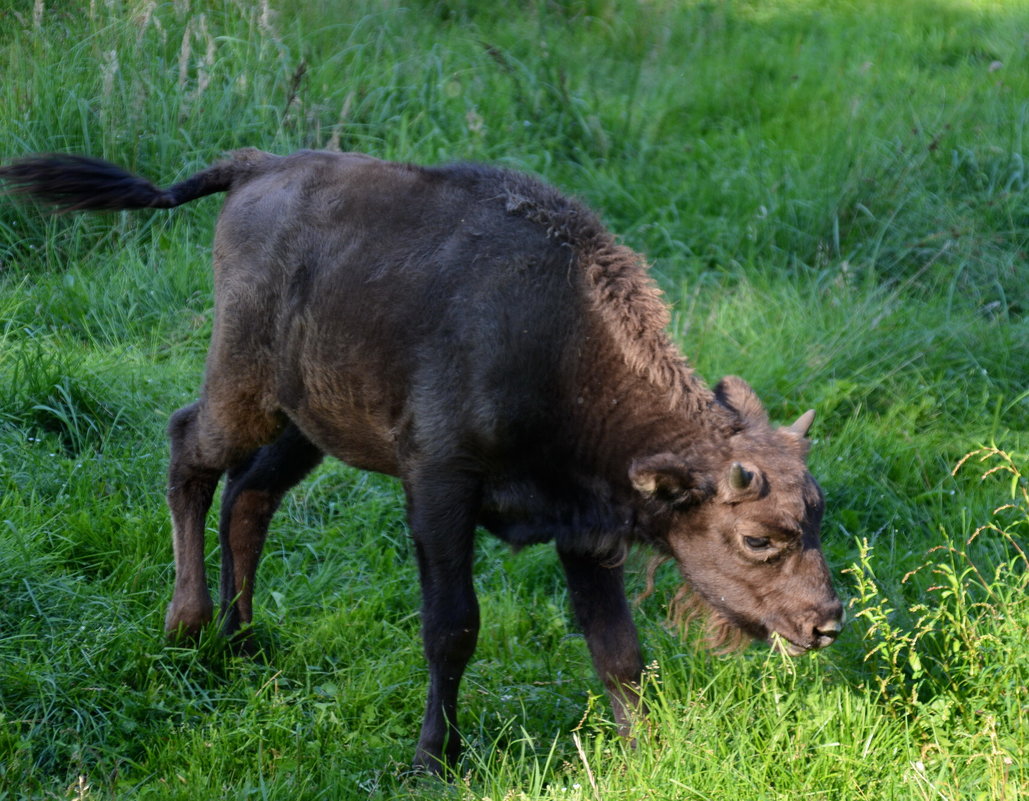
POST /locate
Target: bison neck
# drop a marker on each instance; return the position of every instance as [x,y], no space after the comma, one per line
[571,484]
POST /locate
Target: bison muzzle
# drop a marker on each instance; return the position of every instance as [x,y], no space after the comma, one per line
[483,338]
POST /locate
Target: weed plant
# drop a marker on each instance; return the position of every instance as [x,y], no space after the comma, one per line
[833,196]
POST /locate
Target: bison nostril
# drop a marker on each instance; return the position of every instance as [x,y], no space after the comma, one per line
[828,631]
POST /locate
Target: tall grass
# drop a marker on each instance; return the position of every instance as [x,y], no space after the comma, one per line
[833,196]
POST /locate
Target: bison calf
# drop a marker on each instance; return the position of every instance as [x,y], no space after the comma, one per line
[486,340]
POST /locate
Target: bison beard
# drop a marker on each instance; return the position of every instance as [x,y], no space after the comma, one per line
[483,338]
[686,607]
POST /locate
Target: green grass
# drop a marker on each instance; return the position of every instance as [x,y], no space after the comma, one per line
[832,194]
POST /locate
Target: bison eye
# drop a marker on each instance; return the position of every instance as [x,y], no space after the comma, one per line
[758,543]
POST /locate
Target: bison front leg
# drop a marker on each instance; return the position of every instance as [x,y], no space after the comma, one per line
[597,593]
[252,494]
[442,515]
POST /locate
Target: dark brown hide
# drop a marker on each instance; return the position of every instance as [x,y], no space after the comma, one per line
[483,338]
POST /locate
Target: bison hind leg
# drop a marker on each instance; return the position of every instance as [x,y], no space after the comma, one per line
[203,447]
[252,493]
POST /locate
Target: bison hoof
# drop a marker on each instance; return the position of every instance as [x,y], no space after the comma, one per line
[185,622]
[434,761]
[426,766]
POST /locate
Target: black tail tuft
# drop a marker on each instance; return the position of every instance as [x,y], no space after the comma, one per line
[81,183]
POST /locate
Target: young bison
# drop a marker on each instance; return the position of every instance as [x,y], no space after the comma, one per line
[474,333]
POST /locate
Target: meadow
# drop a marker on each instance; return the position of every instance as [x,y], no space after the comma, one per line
[833,196]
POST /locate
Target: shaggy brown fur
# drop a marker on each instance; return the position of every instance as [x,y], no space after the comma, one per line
[483,338]
[623,294]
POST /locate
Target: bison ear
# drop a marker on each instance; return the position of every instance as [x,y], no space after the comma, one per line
[666,477]
[735,393]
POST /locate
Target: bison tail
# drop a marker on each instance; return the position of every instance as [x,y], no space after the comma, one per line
[80,183]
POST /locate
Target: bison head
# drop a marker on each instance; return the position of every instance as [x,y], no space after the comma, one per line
[742,521]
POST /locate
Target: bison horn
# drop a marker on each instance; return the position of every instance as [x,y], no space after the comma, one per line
[800,428]
[739,476]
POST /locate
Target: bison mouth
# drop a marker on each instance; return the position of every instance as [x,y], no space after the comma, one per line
[784,645]
[722,631]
